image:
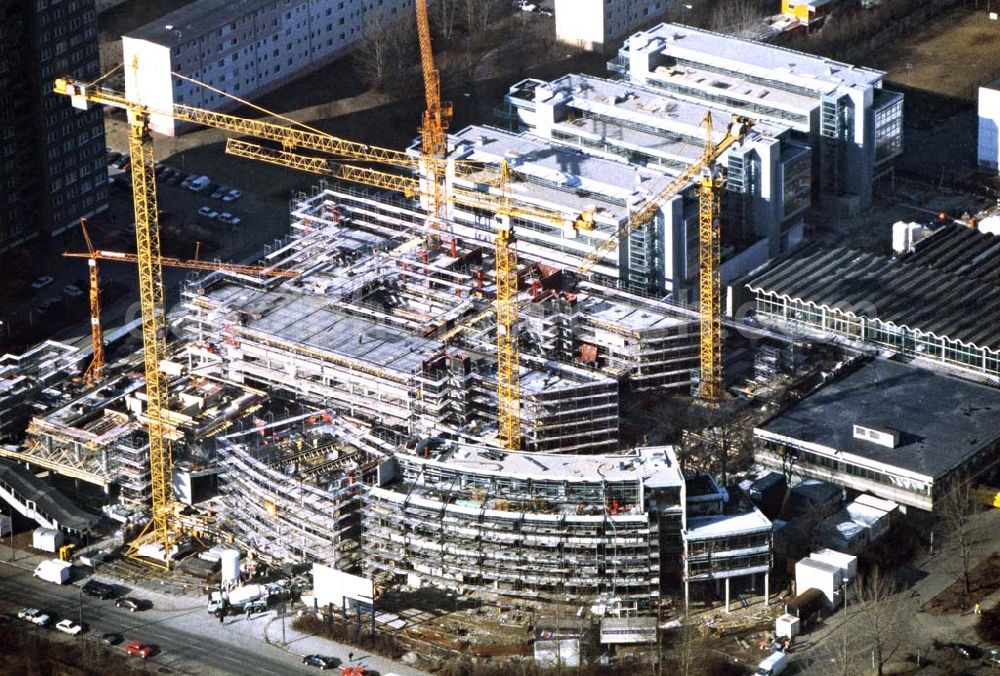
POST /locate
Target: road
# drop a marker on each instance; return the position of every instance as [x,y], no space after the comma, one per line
[184,644]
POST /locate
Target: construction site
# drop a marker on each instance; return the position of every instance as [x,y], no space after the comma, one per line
[432,382]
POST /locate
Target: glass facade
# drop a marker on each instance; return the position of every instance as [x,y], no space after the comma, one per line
[875,331]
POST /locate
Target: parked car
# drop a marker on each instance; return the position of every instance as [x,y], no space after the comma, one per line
[158,169]
[220,192]
[114,156]
[35,616]
[320,661]
[208,212]
[168,173]
[111,638]
[128,603]
[139,648]
[41,283]
[232,195]
[70,627]
[72,290]
[969,652]
[198,183]
[178,178]
[98,589]
[226,217]
[122,161]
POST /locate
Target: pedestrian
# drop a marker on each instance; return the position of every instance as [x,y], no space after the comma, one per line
[976,609]
[350,657]
[221,616]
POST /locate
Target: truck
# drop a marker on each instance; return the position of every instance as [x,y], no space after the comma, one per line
[252,596]
[806,606]
[772,665]
[53,570]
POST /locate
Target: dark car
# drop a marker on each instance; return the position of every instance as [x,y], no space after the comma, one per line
[969,652]
[128,603]
[321,661]
[112,638]
[98,589]
[177,178]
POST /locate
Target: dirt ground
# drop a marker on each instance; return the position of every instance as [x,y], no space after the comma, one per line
[951,55]
[984,580]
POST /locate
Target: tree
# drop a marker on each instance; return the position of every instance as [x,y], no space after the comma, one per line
[955,514]
[737,17]
[387,51]
[880,621]
[445,16]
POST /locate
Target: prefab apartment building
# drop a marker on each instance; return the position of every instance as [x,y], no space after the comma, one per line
[243,47]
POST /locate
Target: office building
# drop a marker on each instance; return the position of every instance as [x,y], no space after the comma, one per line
[988,154]
[902,433]
[52,172]
[596,25]
[243,47]
[853,125]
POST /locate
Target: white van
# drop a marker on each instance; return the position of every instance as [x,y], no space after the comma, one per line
[772,665]
[199,184]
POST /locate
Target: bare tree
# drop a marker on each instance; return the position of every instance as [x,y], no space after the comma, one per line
[445,17]
[954,510]
[737,17]
[880,620]
[388,49]
[479,14]
[688,651]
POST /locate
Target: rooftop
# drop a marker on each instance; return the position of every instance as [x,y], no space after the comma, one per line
[562,176]
[194,20]
[942,420]
[945,301]
[961,251]
[655,466]
[720,525]
[314,321]
[756,58]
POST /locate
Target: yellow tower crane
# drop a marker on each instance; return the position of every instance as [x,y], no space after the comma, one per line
[433,131]
[508,350]
[95,370]
[210,266]
[710,183]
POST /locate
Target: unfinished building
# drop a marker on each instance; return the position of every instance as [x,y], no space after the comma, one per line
[292,489]
[98,435]
[550,527]
[24,379]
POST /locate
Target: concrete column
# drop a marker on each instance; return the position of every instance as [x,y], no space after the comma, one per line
[727,595]
[687,597]
[767,590]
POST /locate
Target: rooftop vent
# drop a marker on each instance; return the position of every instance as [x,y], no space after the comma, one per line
[883,437]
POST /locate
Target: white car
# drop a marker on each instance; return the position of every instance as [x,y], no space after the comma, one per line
[208,212]
[232,196]
[226,217]
[69,627]
[72,290]
[35,616]
[41,283]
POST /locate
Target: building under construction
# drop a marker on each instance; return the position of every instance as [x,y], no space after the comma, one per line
[386,331]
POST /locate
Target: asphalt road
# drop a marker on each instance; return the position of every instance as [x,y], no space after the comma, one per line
[185,649]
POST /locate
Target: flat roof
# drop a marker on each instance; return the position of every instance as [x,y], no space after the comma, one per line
[636,103]
[630,317]
[654,465]
[195,20]
[752,57]
[946,302]
[569,177]
[942,420]
[313,321]
[700,527]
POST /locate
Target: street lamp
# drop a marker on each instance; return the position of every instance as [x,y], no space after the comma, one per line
[685,13]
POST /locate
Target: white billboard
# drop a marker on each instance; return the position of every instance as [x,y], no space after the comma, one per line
[333,586]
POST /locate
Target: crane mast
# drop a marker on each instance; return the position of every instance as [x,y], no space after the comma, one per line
[710,186]
[434,129]
[159,530]
[95,370]
[508,350]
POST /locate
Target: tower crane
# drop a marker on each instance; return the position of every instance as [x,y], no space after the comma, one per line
[95,370]
[433,132]
[710,183]
[508,350]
